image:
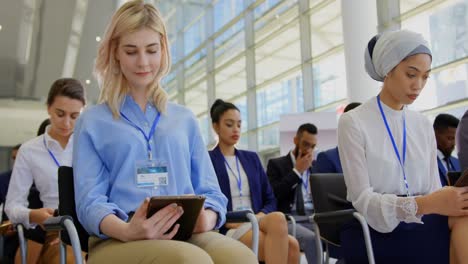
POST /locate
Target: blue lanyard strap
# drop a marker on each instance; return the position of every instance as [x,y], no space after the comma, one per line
[147,137]
[50,152]
[238,176]
[395,148]
[305,182]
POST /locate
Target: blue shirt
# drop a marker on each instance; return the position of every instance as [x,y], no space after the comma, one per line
[104,158]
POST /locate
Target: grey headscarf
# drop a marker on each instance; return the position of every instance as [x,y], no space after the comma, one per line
[384,52]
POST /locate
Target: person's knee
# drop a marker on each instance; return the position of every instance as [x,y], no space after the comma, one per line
[294,250]
[277,223]
[227,250]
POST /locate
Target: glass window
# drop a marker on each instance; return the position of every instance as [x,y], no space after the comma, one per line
[278,55]
[268,137]
[195,70]
[282,97]
[275,20]
[231,79]
[196,99]
[406,5]
[194,36]
[445,27]
[329,79]
[444,87]
[205,126]
[264,7]
[230,44]
[241,103]
[225,11]
[326,28]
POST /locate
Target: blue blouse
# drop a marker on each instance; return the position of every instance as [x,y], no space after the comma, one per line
[105,154]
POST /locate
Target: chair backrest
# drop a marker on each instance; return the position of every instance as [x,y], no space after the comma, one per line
[328,195]
[67,205]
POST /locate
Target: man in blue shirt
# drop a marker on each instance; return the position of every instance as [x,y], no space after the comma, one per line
[328,161]
[445,127]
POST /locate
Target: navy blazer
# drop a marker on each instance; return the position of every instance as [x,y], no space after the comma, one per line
[328,161]
[261,194]
[443,171]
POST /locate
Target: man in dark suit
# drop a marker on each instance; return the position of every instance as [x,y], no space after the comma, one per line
[328,161]
[445,127]
[289,175]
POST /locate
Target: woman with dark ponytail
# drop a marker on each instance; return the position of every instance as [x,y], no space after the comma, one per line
[243,181]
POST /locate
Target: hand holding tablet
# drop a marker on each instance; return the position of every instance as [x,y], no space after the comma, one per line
[191,204]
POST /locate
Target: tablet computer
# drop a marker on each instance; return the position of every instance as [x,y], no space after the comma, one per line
[192,205]
[462,180]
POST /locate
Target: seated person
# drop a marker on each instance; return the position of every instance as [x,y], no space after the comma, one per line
[445,127]
[133,129]
[389,160]
[38,160]
[10,238]
[328,161]
[289,175]
[244,182]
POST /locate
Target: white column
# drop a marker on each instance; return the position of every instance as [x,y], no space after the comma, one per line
[359,26]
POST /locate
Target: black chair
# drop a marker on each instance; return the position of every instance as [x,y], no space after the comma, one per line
[332,211]
[67,220]
[71,231]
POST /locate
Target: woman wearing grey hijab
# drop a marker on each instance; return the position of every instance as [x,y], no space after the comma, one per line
[388,154]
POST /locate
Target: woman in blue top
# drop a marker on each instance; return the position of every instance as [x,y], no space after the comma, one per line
[245,184]
[132,132]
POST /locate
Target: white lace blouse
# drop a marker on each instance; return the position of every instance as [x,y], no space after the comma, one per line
[371,168]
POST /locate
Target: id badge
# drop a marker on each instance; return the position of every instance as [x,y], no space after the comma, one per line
[151,173]
[241,203]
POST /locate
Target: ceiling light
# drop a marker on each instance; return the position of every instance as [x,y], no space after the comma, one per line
[98,38]
[0,27]
[88,81]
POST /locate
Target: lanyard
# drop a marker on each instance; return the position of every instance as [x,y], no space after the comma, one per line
[395,148]
[147,137]
[238,176]
[306,182]
[50,152]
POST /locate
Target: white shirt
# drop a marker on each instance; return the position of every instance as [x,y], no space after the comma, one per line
[372,171]
[34,164]
[238,202]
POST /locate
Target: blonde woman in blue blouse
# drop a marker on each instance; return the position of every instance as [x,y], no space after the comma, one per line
[135,128]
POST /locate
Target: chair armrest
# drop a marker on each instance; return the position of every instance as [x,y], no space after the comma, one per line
[293,223]
[339,200]
[334,216]
[238,216]
[65,222]
[22,243]
[56,223]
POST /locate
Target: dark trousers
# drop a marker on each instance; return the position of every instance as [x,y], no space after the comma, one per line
[409,243]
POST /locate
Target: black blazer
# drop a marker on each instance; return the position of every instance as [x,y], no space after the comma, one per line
[284,181]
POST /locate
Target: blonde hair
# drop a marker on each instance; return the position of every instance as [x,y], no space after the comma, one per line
[131,17]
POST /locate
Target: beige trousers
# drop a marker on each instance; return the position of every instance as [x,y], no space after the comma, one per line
[209,247]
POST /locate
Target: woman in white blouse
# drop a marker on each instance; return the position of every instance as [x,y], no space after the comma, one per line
[38,160]
[388,154]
